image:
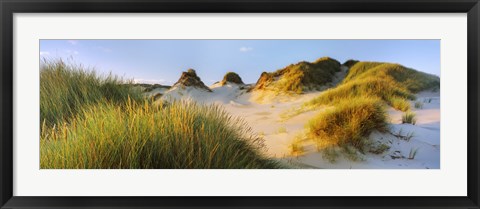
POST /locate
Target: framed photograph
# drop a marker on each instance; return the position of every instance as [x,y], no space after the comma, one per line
[239,104]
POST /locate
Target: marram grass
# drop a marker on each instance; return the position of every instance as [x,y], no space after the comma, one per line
[393,83]
[66,88]
[399,103]
[357,104]
[300,77]
[96,122]
[148,136]
[411,79]
[409,117]
[386,89]
[348,123]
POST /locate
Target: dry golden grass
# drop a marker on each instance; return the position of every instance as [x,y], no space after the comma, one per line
[386,89]
[409,117]
[357,104]
[94,122]
[300,77]
[143,135]
[66,88]
[411,79]
[348,123]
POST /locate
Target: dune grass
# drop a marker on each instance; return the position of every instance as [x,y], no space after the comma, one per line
[96,122]
[392,83]
[379,148]
[300,77]
[67,88]
[409,117]
[411,79]
[419,104]
[348,123]
[399,103]
[143,135]
[296,148]
[357,104]
[413,152]
[385,89]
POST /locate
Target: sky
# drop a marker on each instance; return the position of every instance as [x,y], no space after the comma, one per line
[162,61]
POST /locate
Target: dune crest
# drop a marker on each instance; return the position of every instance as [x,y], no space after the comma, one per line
[190,79]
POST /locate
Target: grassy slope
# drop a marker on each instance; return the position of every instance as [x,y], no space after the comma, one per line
[178,135]
[411,79]
[92,122]
[355,111]
[300,77]
[65,89]
[392,83]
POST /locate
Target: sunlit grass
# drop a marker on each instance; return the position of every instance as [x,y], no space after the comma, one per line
[356,106]
[143,135]
[90,121]
[411,79]
[300,77]
[296,148]
[348,123]
[67,88]
[385,89]
[399,103]
[409,117]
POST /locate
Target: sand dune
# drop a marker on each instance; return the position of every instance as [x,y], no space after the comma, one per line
[265,119]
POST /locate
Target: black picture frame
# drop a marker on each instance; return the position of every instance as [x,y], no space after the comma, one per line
[9,7]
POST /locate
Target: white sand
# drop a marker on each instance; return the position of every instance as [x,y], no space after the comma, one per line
[265,119]
[426,140]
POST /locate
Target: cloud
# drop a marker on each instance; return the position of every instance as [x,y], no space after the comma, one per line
[44,53]
[245,49]
[73,42]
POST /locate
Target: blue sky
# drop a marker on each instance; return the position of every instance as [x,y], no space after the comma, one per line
[162,61]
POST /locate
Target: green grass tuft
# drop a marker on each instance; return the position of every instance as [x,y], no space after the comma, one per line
[403,136]
[356,104]
[65,89]
[385,89]
[348,123]
[97,122]
[418,104]
[379,149]
[296,146]
[399,103]
[409,117]
[411,79]
[143,135]
[413,152]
